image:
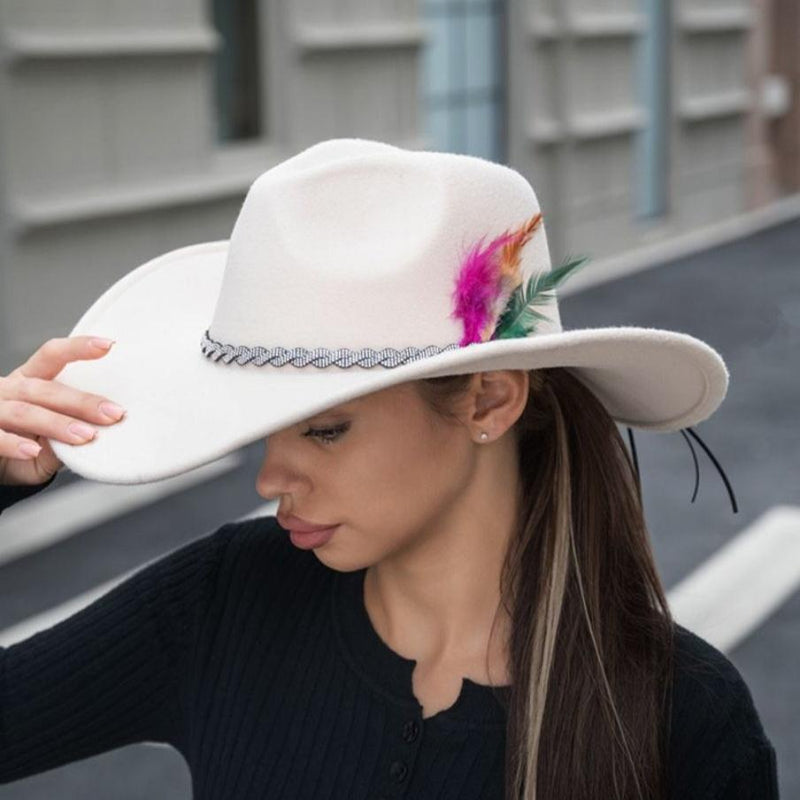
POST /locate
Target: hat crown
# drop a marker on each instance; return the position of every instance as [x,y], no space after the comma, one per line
[357,244]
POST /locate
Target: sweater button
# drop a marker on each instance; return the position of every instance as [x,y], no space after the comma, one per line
[398,770]
[410,730]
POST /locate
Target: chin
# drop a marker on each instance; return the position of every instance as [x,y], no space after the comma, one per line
[342,559]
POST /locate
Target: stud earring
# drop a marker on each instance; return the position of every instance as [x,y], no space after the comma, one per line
[483,436]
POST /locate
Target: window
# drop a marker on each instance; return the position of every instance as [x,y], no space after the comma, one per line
[652,190]
[463,76]
[237,69]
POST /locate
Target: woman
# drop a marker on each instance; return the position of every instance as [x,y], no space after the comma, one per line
[479,614]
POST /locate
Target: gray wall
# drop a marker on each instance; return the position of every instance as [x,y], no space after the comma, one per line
[578,116]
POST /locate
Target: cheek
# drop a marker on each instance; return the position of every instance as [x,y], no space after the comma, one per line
[408,479]
[391,490]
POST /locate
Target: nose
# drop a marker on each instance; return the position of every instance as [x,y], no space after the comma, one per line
[277,475]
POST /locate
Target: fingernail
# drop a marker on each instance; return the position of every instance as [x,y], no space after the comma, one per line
[112,410]
[29,449]
[81,431]
[103,344]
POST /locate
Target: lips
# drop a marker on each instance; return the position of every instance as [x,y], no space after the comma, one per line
[292,523]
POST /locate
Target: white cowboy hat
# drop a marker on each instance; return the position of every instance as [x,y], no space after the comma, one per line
[352,266]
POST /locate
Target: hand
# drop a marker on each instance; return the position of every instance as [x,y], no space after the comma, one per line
[33,405]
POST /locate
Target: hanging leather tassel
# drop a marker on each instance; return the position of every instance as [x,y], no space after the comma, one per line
[696,465]
[717,465]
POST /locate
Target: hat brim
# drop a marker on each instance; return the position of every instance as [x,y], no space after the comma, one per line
[185,410]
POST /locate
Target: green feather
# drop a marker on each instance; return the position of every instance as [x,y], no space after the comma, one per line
[519,318]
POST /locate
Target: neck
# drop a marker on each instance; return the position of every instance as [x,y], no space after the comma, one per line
[436,601]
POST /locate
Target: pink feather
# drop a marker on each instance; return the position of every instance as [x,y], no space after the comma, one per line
[478,286]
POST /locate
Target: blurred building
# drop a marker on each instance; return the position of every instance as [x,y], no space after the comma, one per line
[131,128]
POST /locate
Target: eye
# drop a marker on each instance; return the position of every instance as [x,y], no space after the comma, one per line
[327,435]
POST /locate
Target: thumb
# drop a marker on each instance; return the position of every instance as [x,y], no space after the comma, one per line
[47,463]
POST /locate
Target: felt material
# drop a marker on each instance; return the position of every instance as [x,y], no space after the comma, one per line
[351,243]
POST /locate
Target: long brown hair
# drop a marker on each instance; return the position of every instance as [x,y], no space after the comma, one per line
[591,640]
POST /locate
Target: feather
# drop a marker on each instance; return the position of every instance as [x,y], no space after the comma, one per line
[486,279]
[477,289]
[519,318]
[510,253]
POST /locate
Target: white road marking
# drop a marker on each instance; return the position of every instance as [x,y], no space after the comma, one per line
[737,588]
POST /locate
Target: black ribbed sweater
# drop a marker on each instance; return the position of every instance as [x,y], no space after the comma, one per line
[260,665]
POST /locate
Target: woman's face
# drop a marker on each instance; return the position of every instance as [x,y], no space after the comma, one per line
[382,467]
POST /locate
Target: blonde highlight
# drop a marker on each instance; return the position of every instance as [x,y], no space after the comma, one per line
[591,636]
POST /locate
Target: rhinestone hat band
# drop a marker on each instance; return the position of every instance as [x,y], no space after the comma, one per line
[318,357]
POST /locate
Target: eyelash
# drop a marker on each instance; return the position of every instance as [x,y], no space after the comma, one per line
[324,434]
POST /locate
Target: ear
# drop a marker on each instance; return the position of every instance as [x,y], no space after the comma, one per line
[498,399]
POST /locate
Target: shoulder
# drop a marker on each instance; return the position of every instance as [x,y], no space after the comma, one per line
[709,691]
[715,730]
